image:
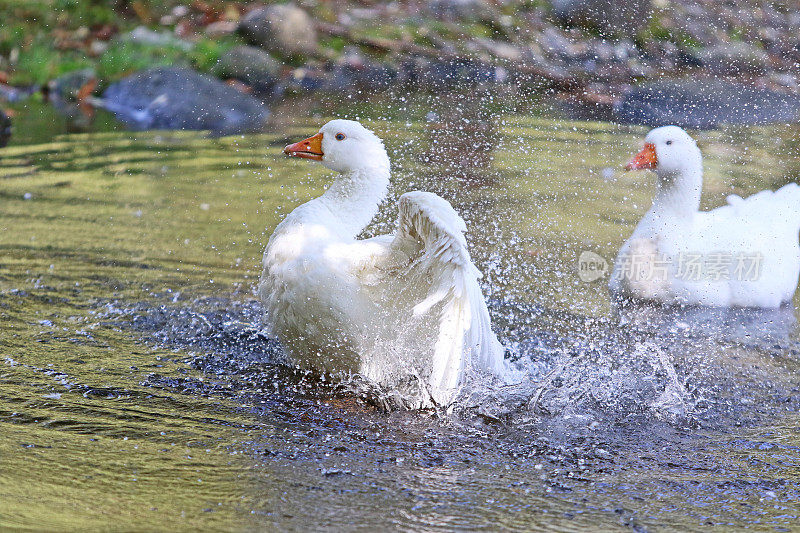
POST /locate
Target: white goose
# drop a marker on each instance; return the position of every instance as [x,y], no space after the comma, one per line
[743,254]
[390,307]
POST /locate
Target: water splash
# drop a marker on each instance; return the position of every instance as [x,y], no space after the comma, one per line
[600,375]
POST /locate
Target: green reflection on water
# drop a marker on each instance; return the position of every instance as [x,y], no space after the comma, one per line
[87,218]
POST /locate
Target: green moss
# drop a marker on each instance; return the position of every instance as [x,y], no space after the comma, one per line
[28,26]
[737,33]
[68,14]
[11,35]
[336,44]
[40,62]
[125,57]
[383,31]
[476,29]
[207,52]
[72,14]
[658,31]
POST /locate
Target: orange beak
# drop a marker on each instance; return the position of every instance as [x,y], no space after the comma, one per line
[310,148]
[644,160]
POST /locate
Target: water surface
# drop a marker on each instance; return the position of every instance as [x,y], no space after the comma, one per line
[138,390]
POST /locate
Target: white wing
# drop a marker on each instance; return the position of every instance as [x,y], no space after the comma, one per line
[780,207]
[430,238]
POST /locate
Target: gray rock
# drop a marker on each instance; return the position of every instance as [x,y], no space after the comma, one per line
[784,79]
[447,74]
[459,9]
[557,45]
[5,129]
[733,58]
[221,28]
[500,50]
[610,17]
[284,29]
[172,98]
[146,36]
[305,80]
[251,65]
[16,94]
[68,85]
[703,104]
[355,71]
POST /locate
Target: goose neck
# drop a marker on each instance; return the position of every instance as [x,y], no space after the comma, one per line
[678,193]
[354,197]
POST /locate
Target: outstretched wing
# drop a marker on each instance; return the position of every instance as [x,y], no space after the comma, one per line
[430,241]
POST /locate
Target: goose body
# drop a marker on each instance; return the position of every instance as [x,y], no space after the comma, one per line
[391,308]
[743,254]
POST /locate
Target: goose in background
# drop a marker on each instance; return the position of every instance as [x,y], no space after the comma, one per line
[744,254]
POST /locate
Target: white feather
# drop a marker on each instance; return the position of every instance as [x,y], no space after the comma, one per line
[465,341]
[391,307]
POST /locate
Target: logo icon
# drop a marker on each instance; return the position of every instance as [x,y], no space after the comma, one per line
[591,266]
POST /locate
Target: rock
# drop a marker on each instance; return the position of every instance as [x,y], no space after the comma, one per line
[784,79]
[5,129]
[703,104]
[78,117]
[734,58]
[69,85]
[355,71]
[687,59]
[591,104]
[251,65]
[455,10]
[444,74]
[610,17]
[146,36]
[16,94]
[284,29]
[559,46]
[97,48]
[306,79]
[500,49]
[172,98]
[221,28]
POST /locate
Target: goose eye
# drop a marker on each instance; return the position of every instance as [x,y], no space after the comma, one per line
[669,142]
[340,136]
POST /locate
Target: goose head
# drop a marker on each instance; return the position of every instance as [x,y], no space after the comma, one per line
[669,151]
[344,146]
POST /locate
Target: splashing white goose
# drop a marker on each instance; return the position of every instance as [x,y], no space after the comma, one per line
[744,254]
[388,307]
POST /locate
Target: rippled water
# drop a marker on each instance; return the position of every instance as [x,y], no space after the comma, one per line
[138,390]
